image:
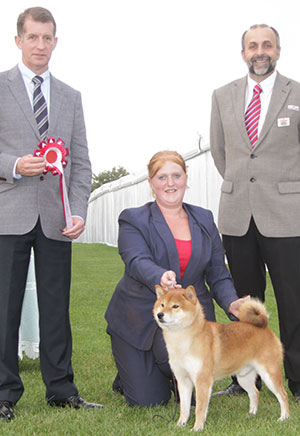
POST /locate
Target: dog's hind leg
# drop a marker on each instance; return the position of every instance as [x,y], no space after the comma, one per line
[247,382]
[185,388]
[203,392]
[273,380]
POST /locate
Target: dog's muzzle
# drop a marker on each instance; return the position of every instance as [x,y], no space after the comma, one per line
[160,316]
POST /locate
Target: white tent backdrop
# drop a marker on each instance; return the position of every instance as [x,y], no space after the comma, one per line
[109,200]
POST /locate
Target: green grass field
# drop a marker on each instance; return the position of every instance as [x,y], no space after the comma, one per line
[96,270]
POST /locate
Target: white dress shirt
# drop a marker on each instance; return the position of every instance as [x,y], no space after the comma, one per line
[27,76]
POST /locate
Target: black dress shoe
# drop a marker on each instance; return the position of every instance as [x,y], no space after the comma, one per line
[116,386]
[235,389]
[297,396]
[74,401]
[6,410]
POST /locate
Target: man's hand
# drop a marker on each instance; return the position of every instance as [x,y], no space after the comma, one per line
[30,165]
[75,231]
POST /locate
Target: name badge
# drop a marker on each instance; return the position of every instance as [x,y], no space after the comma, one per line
[283,122]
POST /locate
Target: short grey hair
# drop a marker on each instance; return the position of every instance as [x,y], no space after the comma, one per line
[255,26]
[36,14]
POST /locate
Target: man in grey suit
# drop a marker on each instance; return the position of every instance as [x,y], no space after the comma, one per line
[31,212]
[259,214]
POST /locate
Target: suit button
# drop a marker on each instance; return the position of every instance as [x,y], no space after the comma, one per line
[42,178]
[253,179]
[253,156]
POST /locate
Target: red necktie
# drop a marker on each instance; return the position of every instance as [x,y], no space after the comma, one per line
[252,115]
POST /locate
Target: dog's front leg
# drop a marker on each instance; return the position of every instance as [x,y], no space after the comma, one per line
[185,388]
[203,392]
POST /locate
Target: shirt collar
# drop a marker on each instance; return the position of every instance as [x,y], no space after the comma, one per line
[29,75]
[266,85]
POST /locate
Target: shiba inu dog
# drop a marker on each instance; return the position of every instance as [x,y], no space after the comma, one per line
[202,351]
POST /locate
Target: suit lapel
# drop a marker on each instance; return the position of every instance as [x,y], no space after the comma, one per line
[56,98]
[166,235]
[201,249]
[238,103]
[17,87]
[196,248]
[279,95]
[199,245]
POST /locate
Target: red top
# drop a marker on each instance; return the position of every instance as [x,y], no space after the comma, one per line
[184,249]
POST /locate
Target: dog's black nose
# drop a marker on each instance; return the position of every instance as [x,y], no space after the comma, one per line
[160,315]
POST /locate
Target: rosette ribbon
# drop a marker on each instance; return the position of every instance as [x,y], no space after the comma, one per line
[54,154]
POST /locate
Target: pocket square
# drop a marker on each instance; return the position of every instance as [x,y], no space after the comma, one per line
[293,107]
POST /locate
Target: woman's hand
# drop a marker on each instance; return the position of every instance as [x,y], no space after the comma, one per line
[234,307]
[168,280]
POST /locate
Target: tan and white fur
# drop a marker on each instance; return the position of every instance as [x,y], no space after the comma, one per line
[202,351]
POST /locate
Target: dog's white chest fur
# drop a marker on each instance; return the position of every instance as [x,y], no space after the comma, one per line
[181,358]
[188,364]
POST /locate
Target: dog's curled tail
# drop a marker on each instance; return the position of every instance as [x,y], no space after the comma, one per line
[254,312]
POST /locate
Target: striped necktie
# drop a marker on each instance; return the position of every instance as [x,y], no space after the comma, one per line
[252,115]
[40,107]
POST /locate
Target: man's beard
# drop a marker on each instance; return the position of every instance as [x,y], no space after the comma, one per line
[259,71]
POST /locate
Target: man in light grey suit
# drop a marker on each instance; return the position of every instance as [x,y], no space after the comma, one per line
[259,215]
[31,212]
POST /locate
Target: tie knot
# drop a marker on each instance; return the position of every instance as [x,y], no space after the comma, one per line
[257,89]
[37,80]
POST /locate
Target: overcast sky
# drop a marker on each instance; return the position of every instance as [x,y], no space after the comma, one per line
[147,68]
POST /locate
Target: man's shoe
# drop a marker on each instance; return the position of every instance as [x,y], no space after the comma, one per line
[6,410]
[74,401]
[297,396]
[235,389]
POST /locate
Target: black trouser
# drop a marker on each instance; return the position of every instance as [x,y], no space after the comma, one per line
[247,256]
[53,272]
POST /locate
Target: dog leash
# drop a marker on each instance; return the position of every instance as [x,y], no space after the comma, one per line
[176,404]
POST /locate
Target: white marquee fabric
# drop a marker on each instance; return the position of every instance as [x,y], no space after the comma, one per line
[29,335]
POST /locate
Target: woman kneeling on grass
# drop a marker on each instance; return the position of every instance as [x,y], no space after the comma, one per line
[173,244]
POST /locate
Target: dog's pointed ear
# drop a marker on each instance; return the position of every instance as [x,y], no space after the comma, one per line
[160,292]
[191,294]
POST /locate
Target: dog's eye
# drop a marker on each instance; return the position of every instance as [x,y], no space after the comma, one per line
[175,306]
[162,305]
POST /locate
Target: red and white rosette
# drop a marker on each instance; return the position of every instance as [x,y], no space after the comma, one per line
[54,154]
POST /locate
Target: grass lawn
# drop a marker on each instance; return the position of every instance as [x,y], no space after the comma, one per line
[96,270]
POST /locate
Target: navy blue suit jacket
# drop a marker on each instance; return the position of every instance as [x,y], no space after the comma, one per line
[148,249]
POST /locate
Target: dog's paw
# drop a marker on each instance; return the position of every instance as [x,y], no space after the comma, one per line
[198,427]
[181,423]
[283,417]
[253,411]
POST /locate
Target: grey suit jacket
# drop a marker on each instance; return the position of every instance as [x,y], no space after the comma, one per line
[264,182]
[23,200]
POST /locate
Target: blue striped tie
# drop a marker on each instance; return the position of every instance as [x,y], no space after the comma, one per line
[40,107]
